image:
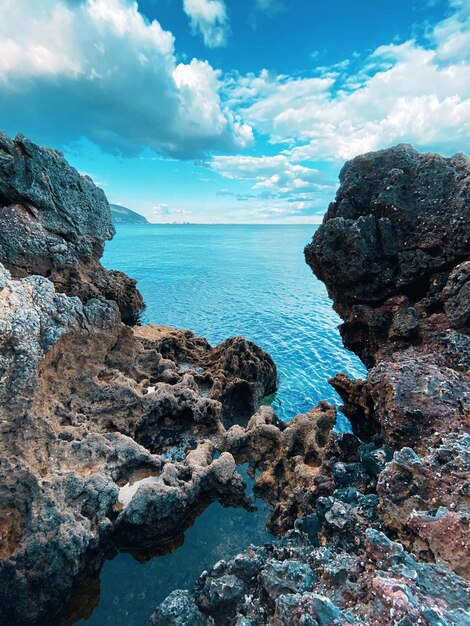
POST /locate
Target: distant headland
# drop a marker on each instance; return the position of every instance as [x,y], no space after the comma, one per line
[123,215]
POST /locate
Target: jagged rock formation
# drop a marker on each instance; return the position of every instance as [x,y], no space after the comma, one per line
[110,434]
[404,218]
[398,221]
[394,252]
[295,583]
[117,436]
[54,222]
[105,437]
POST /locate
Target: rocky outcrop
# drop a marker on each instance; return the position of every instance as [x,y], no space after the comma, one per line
[54,222]
[296,464]
[293,583]
[394,253]
[115,436]
[108,437]
[399,220]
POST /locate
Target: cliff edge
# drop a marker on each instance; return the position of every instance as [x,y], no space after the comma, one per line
[54,222]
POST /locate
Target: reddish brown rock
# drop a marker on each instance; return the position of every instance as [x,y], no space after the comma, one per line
[426,501]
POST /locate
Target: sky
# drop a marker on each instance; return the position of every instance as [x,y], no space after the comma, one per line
[233,111]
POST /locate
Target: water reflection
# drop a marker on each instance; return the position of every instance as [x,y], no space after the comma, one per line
[131,589]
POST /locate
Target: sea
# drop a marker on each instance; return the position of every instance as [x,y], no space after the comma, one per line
[220,281]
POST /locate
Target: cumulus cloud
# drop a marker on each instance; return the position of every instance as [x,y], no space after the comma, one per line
[271,173]
[401,92]
[98,69]
[208,18]
[278,188]
[412,92]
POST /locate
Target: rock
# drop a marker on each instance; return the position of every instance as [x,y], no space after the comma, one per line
[221,595]
[309,609]
[54,222]
[98,450]
[288,458]
[426,501]
[301,585]
[290,576]
[398,218]
[242,374]
[394,253]
[456,295]
[178,609]
[161,509]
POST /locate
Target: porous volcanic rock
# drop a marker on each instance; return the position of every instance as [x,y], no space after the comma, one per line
[394,251]
[105,441]
[286,460]
[295,583]
[399,219]
[380,516]
[427,501]
[54,222]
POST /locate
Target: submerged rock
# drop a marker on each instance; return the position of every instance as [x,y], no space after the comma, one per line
[54,222]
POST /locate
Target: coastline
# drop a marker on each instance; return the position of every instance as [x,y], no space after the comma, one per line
[373,525]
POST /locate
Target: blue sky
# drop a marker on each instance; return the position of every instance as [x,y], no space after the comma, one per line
[233,110]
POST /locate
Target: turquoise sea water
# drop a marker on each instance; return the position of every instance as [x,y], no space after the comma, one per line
[221,281]
[225,280]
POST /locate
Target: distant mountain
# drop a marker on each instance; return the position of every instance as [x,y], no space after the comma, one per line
[123,215]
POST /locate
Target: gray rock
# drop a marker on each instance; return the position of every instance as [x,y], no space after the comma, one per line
[178,609]
[221,593]
[54,222]
[290,576]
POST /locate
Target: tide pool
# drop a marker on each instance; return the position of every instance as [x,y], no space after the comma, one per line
[222,281]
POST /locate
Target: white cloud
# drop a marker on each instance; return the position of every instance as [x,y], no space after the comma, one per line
[209,18]
[278,188]
[274,174]
[407,92]
[401,92]
[99,69]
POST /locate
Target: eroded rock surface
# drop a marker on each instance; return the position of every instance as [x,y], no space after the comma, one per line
[295,583]
[54,222]
[108,437]
[381,516]
[393,251]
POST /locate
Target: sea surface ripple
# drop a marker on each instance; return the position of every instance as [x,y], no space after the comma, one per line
[225,280]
